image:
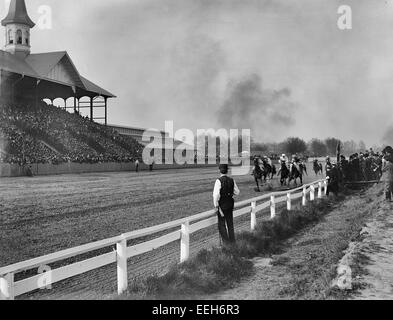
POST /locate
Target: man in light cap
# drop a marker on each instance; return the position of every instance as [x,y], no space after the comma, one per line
[224,190]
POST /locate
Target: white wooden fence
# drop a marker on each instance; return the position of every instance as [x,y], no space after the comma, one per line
[9,289]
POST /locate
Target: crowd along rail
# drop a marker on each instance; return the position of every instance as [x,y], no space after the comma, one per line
[9,288]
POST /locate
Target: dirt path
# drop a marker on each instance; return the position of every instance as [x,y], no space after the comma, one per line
[373,256]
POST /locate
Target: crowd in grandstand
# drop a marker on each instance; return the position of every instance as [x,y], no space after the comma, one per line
[46,134]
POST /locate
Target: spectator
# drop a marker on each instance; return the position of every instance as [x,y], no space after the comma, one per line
[328,166]
[224,190]
[387,172]
[333,180]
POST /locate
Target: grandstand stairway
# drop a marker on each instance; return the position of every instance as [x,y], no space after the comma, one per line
[50,147]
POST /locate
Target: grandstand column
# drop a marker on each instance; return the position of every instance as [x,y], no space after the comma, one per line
[36,92]
[91,109]
[74,104]
[74,91]
[106,110]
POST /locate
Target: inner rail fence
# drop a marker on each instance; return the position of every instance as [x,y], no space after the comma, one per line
[9,288]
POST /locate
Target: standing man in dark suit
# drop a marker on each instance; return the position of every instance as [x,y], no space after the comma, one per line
[224,190]
[333,180]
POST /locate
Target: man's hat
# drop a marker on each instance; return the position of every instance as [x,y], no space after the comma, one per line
[224,168]
[388,149]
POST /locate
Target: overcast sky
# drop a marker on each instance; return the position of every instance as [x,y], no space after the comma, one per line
[279,67]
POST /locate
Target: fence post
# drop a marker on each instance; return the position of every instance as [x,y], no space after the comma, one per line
[185,242]
[320,190]
[304,200]
[273,207]
[121,255]
[7,287]
[312,193]
[289,201]
[253,216]
[326,187]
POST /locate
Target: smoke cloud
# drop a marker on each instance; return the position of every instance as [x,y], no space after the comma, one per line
[250,106]
[173,60]
[388,136]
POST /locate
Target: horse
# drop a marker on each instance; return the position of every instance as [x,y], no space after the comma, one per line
[284,171]
[258,174]
[269,171]
[297,173]
[274,171]
[318,168]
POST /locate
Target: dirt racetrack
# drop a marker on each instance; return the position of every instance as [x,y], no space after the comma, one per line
[43,215]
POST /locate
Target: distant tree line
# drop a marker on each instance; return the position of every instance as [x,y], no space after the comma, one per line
[293,145]
[314,148]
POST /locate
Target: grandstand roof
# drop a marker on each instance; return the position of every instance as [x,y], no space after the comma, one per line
[137,134]
[42,66]
[44,62]
[11,63]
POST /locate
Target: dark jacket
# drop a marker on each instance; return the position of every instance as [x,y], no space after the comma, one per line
[226,193]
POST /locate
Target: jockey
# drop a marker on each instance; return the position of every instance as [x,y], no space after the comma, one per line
[296,162]
[269,161]
[283,159]
[260,161]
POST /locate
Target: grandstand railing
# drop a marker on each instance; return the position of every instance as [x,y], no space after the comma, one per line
[9,288]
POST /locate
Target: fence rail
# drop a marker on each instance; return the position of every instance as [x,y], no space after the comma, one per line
[9,288]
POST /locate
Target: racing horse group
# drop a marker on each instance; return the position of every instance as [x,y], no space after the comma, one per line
[263,171]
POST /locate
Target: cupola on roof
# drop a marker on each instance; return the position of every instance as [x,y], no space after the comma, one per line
[17,13]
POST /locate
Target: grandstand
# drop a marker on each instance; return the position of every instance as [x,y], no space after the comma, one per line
[46,134]
[34,131]
[51,75]
[166,141]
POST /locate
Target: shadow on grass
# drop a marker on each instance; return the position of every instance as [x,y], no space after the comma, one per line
[221,268]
